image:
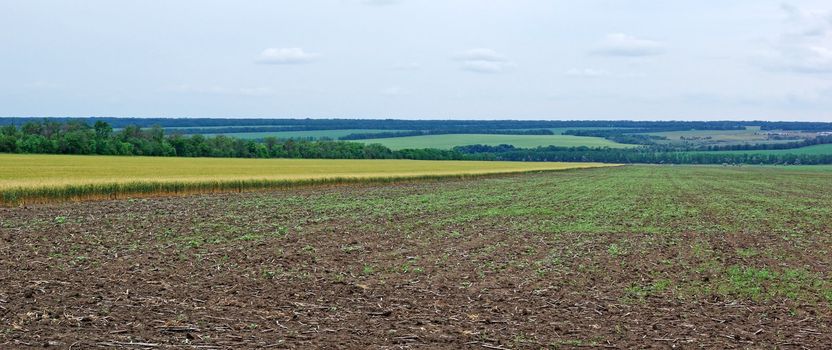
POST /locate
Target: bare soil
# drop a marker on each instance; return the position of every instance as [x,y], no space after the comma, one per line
[305,268]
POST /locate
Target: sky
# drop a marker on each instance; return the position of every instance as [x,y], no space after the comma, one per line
[418,59]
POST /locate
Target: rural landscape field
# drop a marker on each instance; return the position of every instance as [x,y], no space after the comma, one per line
[415,174]
[136,234]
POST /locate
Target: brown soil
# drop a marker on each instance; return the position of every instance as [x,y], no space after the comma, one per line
[181,273]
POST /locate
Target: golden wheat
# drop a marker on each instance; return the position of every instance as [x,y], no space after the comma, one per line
[44,178]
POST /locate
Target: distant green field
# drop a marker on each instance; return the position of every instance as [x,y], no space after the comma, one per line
[176,128]
[817,168]
[316,134]
[806,168]
[522,141]
[751,135]
[334,134]
[224,127]
[560,131]
[810,150]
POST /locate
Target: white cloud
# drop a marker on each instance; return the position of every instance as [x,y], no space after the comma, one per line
[807,45]
[483,66]
[480,54]
[291,55]
[483,60]
[620,44]
[810,23]
[586,72]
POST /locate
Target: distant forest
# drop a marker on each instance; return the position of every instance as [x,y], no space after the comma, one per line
[398,124]
[76,137]
[634,156]
[79,137]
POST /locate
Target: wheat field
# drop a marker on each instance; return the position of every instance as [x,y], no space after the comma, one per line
[46,178]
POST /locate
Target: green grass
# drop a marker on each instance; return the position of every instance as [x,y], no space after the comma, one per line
[521,141]
[802,168]
[560,131]
[524,140]
[171,129]
[748,134]
[809,150]
[315,134]
[224,127]
[49,177]
[557,131]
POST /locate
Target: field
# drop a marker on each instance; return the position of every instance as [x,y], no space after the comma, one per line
[335,133]
[522,141]
[173,128]
[803,168]
[627,257]
[816,149]
[313,134]
[560,131]
[750,135]
[28,178]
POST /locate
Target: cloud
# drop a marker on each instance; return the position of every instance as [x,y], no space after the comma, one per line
[586,72]
[483,60]
[810,23]
[292,55]
[624,45]
[806,47]
[483,66]
[487,55]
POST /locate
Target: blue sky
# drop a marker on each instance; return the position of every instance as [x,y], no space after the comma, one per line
[427,59]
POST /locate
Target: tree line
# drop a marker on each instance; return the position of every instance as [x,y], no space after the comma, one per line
[637,137]
[288,124]
[76,137]
[633,156]
[818,140]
